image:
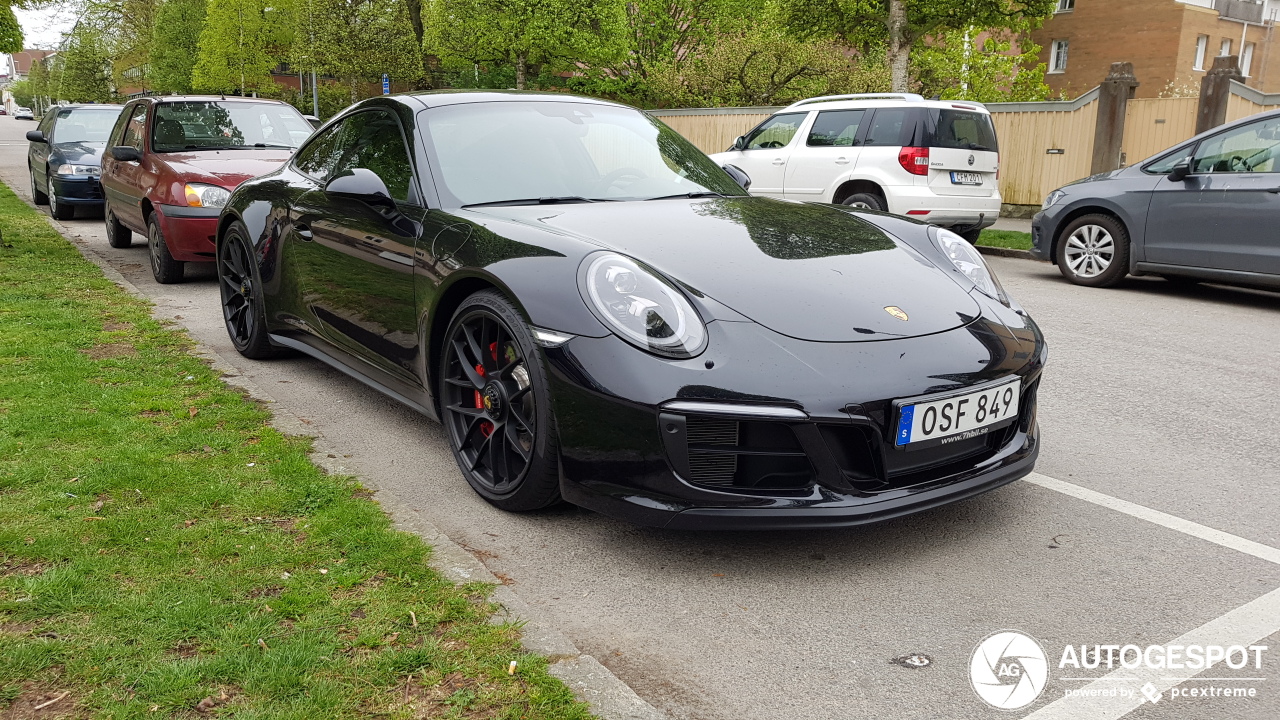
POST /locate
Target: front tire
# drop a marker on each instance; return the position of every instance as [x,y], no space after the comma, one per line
[496,406]
[1093,251]
[243,309]
[971,235]
[59,211]
[37,195]
[118,236]
[164,268]
[865,201]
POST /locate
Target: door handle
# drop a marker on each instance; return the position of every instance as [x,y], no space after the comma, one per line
[842,161]
[779,161]
[303,231]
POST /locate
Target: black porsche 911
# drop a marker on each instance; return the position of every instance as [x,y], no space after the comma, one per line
[600,314]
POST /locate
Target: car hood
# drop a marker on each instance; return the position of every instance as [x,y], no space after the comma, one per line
[79,153]
[807,271]
[227,168]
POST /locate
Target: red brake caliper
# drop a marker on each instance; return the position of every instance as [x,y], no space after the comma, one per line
[486,427]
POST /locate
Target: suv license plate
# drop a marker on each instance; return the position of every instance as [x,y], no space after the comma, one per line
[965,178]
[958,417]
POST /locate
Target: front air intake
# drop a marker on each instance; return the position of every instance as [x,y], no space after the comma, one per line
[736,455]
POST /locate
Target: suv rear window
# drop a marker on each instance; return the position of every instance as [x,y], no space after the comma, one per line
[962,130]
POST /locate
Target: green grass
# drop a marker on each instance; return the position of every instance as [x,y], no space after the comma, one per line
[1005,239]
[164,552]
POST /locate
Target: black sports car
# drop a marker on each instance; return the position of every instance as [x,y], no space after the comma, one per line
[598,313]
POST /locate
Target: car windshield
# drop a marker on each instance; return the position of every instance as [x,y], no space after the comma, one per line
[85,125]
[234,125]
[531,152]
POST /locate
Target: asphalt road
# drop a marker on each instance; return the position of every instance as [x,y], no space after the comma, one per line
[1157,396]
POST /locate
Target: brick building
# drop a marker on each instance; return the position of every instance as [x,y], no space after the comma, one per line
[1171,43]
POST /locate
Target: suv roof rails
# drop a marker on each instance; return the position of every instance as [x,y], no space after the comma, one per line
[909,97]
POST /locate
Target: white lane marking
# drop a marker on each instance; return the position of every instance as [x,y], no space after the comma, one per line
[1245,625]
[1203,532]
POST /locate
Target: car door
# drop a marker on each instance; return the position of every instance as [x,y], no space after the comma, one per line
[828,151]
[1223,215]
[38,157]
[765,152]
[122,181]
[355,261]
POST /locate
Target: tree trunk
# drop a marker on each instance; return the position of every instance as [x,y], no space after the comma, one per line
[899,47]
[520,70]
[419,32]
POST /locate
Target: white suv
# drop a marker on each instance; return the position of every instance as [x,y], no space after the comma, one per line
[932,160]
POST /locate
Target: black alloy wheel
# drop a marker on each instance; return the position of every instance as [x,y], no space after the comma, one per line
[242,306]
[494,405]
[118,236]
[164,268]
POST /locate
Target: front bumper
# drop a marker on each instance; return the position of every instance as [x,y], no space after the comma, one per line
[1042,232]
[639,434]
[77,190]
[189,232]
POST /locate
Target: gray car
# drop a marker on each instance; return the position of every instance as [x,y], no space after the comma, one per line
[1207,209]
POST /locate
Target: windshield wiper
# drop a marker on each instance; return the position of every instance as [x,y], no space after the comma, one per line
[982,148]
[694,194]
[539,201]
[269,145]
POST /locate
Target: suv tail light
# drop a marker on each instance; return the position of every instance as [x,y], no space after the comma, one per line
[914,160]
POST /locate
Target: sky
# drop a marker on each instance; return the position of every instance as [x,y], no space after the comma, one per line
[40,29]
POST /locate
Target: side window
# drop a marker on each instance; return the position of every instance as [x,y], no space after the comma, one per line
[886,127]
[135,127]
[1164,165]
[46,123]
[836,128]
[775,132]
[319,158]
[1249,149]
[372,140]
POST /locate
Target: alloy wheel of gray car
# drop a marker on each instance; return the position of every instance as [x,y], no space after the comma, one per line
[1094,250]
[58,211]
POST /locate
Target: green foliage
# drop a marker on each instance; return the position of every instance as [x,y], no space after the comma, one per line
[10,31]
[84,67]
[763,66]
[334,98]
[959,66]
[527,34]
[24,93]
[176,44]
[357,41]
[240,42]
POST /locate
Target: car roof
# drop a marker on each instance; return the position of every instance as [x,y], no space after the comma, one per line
[440,98]
[161,99]
[879,100]
[74,106]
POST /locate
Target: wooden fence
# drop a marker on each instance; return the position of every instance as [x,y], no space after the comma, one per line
[1043,145]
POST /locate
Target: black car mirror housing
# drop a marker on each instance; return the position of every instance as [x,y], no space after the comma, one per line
[1180,170]
[739,176]
[36,136]
[361,184]
[126,153]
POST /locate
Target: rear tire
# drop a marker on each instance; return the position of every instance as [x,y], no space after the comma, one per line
[118,236]
[59,211]
[164,268]
[508,450]
[1093,250]
[37,195]
[865,201]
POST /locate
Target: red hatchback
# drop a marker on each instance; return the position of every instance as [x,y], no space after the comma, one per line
[172,162]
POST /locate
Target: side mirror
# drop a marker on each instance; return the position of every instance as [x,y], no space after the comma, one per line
[125,153]
[738,176]
[314,121]
[740,143]
[361,184]
[1180,170]
[36,136]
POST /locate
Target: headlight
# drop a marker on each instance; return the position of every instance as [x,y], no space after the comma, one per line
[641,307]
[969,262]
[1052,199]
[78,170]
[210,196]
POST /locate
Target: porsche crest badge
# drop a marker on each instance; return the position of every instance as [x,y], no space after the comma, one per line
[897,312]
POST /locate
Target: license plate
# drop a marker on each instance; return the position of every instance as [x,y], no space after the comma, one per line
[958,417]
[963,178]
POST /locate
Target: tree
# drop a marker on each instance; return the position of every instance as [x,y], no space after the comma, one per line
[899,24]
[86,75]
[240,42]
[176,44]
[993,66]
[524,34]
[10,30]
[358,40]
[24,93]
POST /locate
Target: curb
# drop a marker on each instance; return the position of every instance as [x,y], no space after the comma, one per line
[608,696]
[1006,252]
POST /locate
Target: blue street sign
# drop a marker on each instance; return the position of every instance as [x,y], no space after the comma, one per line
[386,85]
